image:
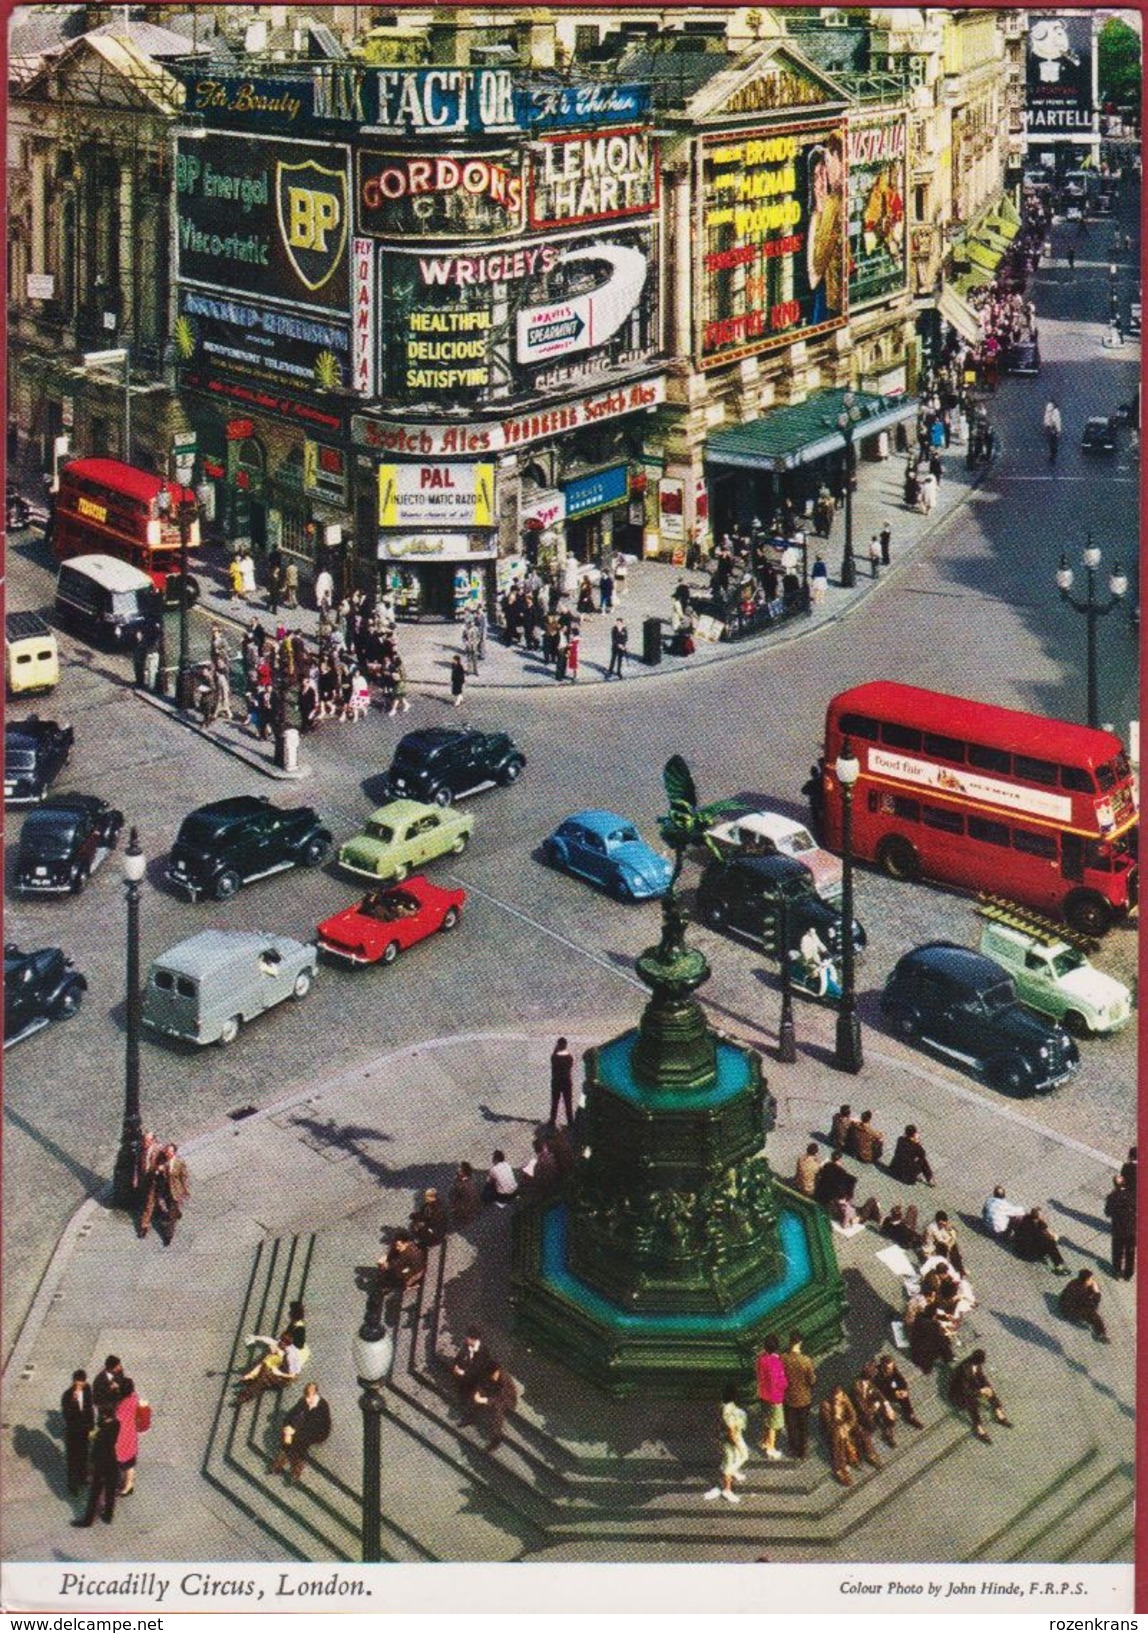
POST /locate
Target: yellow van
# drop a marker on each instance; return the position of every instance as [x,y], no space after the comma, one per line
[31,658]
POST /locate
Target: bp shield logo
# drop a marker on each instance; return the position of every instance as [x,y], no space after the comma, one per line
[312,206]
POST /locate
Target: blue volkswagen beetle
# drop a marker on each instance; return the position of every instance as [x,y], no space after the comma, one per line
[608,850]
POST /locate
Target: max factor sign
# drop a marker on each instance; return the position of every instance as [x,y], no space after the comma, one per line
[402,101]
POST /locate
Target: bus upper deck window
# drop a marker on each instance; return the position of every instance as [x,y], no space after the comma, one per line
[906,737]
[1077,779]
[860,725]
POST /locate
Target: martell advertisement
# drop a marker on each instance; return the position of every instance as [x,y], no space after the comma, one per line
[773,211]
[443,195]
[876,193]
[593,176]
[511,321]
[264,218]
[436,495]
[1058,77]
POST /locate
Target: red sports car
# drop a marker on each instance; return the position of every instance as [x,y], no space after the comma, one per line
[387,922]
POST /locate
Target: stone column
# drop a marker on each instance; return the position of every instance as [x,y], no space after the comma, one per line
[129,249]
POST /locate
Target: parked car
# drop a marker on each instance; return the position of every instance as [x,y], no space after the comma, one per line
[404,835]
[31,656]
[64,841]
[1023,357]
[38,987]
[442,763]
[768,833]
[1099,435]
[35,752]
[965,1006]
[205,988]
[386,922]
[744,894]
[1056,978]
[233,841]
[608,850]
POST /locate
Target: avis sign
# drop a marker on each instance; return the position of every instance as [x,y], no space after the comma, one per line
[434,495]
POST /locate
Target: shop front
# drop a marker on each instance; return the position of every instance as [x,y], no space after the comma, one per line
[438,535]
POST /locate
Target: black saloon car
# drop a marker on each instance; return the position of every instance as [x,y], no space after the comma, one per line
[35,752]
[965,1006]
[233,841]
[38,988]
[745,894]
[444,763]
[1099,435]
[64,842]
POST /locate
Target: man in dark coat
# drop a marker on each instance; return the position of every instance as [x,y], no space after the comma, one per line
[79,1416]
[1033,1239]
[105,1470]
[833,1188]
[909,1160]
[561,1081]
[800,1377]
[307,1424]
[472,1365]
[403,1266]
[430,1220]
[106,1388]
[1120,1208]
[892,1383]
[499,1395]
[1080,1301]
[970,1390]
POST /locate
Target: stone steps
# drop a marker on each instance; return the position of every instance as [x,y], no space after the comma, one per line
[1067,1517]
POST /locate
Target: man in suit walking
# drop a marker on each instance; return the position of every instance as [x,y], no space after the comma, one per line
[473,1365]
[307,1424]
[800,1377]
[79,1420]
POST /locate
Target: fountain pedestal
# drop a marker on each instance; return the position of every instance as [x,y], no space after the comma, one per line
[673,1251]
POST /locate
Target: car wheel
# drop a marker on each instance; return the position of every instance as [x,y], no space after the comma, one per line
[302,983]
[460,844]
[316,852]
[390,952]
[511,772]
[554,856]
[1076,1024]
[226,885]
[442,796]
[449,919]
[68,1002]
[229,1031]
[623,891]
[1088,914]
[1008,1076]
[907,1024]
[78,880]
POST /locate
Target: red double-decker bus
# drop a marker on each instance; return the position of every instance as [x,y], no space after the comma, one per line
[105,506]
[986,798]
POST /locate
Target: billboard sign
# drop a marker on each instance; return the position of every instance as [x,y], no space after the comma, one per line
[600,491]
[1059,76]
[403,101]
[773,265]
[446,195]
[262,342]
[434,495]
[533,316]
[594,176]
[562,107]
[876,194]
[264,218]
[363,336]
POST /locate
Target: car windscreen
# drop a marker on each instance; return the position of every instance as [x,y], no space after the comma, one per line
[624,836]
[1064,963]
[200,831]
[998,996]
[52,840]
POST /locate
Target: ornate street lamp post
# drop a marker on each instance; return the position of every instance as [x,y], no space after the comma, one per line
[127,1159]
[1092,610]
[373,1353]
[847,425]
[786,1033]
[847,1055]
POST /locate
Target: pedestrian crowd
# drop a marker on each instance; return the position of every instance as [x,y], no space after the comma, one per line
[102,1423]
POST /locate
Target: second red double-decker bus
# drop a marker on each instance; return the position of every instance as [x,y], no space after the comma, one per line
[986,798]
[113,509]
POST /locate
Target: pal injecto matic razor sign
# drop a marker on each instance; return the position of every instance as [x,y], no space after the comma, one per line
[264,217]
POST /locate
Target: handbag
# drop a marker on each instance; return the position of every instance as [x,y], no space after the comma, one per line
[143,1417]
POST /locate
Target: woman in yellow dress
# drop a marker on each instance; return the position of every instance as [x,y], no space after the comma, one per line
[734,1451]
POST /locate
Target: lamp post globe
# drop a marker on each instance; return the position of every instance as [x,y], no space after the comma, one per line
[127,1158]
[847,1055]
[1092,612]
[373,1352]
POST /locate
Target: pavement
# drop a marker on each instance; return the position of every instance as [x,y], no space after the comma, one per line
[289,1200]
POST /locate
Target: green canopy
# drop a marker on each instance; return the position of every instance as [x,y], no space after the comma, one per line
[803,432]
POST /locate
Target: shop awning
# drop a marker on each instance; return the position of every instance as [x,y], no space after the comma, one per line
[981,254]
[787,437]
[955,310]
[975,278]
